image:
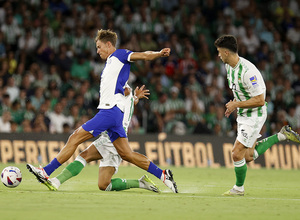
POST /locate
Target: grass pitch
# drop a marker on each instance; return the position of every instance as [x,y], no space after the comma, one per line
[270,194]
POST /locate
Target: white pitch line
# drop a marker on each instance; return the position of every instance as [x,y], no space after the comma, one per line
[164,195]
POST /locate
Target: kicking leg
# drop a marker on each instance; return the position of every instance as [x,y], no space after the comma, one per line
[74,168]
[43,173]
[126,153]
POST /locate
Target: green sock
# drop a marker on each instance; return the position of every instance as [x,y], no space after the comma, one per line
[118,184]
[240,168]
[266,143]
[70,171]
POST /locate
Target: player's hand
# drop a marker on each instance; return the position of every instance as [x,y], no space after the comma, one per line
[141,92]
[165,52]
[230,107]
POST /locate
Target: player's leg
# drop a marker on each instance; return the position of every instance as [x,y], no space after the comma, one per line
[260,147]
[286,133]
[74,168]
[126,153]
[88,130]
[109,166]
[78,137]
[240,166]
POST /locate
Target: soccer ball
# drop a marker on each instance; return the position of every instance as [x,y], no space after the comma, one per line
[11,176]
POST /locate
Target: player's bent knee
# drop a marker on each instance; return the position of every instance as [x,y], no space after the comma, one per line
[236,156]
[103,185]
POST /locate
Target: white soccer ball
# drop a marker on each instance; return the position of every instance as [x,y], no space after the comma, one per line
[11,176]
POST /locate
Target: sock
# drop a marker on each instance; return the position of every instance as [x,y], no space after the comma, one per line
[281,137]
[53,165]
[70,171]
[240,169]
[118,184]
[255,154]
[55,182]
[266,143]
[156,171]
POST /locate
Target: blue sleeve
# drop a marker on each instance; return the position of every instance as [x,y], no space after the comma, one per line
[122,55]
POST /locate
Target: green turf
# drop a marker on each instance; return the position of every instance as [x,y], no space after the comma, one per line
[270,194]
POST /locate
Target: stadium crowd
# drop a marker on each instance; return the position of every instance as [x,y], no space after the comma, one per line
[50,70]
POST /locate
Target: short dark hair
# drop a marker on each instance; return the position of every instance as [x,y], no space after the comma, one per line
[227,41]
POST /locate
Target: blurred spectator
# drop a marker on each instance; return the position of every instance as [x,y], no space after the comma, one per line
[5,103]
[39,123]
[12,90]
[159,108]
[17,113]
[148,43]
[11,31]
[66,128]
[27,42]
[293,34]
[251,41]
[175,112]
[81,69]
[38,98]
[5,124]
[57,119]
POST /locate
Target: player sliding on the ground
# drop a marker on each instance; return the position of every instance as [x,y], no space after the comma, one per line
[111,110]
[110,160]
[249,92]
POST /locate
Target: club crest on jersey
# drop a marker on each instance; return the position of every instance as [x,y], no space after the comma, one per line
[253,80]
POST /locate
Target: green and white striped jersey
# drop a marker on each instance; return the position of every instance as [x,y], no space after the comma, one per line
[246,82]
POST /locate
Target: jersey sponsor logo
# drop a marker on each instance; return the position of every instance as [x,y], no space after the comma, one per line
[253,80]
[245,135]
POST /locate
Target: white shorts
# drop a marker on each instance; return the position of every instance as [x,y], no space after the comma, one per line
[248,129]
[111,158]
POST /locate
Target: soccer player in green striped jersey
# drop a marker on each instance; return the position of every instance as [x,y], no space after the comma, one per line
[249,90]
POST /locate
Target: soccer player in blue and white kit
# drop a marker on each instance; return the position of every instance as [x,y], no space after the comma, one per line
[111,110]
[248,87]
[102,149]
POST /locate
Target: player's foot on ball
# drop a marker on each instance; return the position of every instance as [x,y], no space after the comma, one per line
[39,173]
[234,192]
[169,181]
[290,134]
[147,183]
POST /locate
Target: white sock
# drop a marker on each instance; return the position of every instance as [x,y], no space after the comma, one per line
[255,155]
[55,182]
[281,137]
[239,188]
[108,188]
[81,160]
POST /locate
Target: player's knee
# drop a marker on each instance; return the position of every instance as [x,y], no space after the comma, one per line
[236,156]
[85,155]
[128,156]
[103,185]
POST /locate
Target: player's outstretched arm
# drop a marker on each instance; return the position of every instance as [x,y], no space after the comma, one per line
[150,55]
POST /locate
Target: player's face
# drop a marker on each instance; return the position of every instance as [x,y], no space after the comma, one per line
[223,54]
[102,49]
